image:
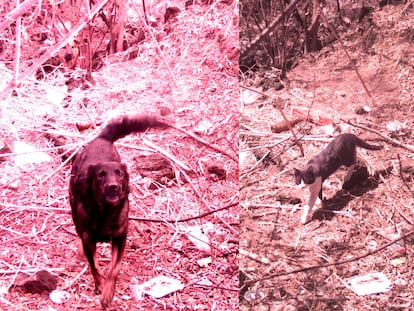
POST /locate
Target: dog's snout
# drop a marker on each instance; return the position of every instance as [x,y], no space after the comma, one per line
[68,57]
[113,187]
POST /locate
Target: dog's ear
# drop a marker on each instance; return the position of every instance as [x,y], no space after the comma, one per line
[92,169]
[126,176]
[298,178]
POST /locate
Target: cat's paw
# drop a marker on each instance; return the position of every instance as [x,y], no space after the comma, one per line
[305,220]
[305,216]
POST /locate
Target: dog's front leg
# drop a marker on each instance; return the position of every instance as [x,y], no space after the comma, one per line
[118,245]
[89,248]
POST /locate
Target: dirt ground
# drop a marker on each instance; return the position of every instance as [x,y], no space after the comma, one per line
[285,265]
[194,83]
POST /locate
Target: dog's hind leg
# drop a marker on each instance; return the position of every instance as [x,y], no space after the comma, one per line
[118,246]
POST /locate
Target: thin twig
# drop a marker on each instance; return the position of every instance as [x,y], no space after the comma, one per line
[290,8]
[144,22]
[206,143]
[390,140]
[332,29]
[297,141]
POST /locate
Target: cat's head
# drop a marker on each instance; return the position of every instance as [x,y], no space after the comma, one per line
[307,175]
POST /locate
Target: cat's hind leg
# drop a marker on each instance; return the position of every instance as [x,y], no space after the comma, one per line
[348,174]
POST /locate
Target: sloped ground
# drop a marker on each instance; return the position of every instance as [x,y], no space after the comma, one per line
[289,266]
[194,83]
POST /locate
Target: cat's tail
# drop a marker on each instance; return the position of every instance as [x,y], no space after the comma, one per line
[365,145]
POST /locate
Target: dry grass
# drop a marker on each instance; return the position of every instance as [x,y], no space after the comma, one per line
[191,72]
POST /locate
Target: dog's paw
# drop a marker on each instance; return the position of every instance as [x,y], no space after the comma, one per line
[107,294]
[99,281]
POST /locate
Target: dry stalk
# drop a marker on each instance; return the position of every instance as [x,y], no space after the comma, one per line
[18,50]
[16,272]
[73,281]
[14,14]
[351,61]
[155,41]
[206,143]
[200,197]
[394,206]
[255,165]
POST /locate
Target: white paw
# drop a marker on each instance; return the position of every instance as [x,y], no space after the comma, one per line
[305,216]
[305,219]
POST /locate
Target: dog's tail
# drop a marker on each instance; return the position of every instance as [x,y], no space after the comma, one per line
[126,125]
[365,145]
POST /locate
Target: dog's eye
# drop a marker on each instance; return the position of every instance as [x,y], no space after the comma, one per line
[101,174]
[119,173]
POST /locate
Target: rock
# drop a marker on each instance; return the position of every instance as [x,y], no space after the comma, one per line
[155,167]
[42,281]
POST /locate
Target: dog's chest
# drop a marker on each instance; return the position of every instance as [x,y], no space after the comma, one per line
[104,224]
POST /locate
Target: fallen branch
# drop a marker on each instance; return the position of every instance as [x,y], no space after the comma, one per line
[14,14]
[335,263]
[172,221]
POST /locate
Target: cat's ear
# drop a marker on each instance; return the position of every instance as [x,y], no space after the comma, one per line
[298,178]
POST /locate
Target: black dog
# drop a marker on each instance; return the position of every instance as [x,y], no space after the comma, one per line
[98,192]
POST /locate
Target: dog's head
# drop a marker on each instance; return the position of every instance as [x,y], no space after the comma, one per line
[109,182]
[307,175]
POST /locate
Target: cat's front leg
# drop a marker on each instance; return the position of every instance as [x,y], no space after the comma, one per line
[314,190]
[305,216]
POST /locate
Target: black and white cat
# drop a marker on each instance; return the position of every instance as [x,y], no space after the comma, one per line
[340,151]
